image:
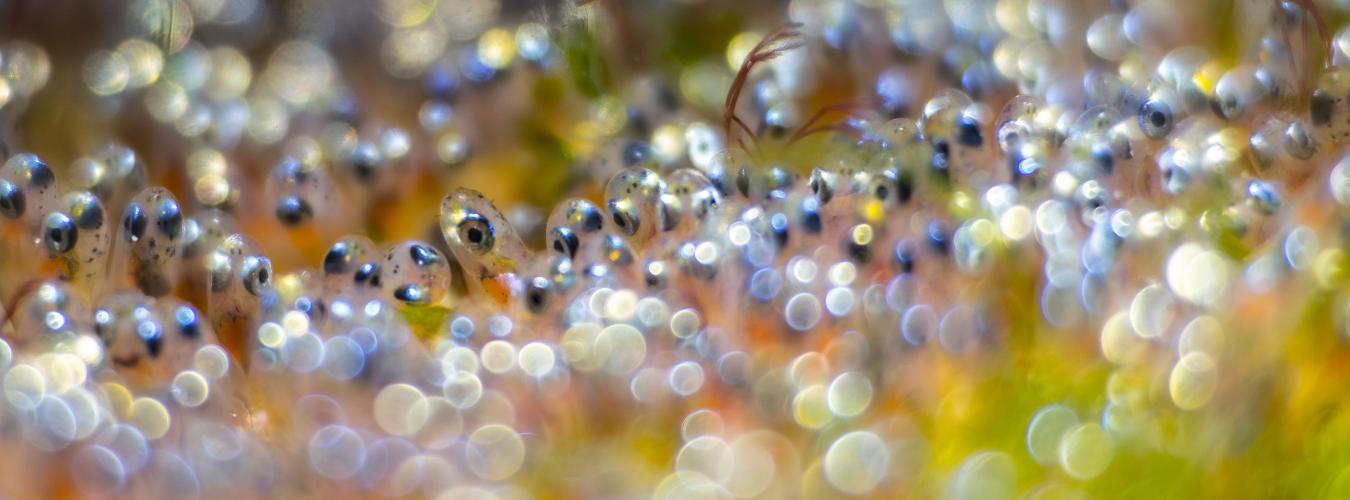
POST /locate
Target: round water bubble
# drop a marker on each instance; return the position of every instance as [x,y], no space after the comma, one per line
[1193,380]
[98,471]
[393,407]
[190,388]
[686,378]
[211,361]
[684,323]
[463,389]
[150,416]
[495,452]
[54,424]
[648,385]
[984,475]
[24,386]
[1203,334]
[382,458]
[919,324]
[443,424]
[336,452]
[703,422]
[1047,429]
[216,442]
[343,358]
[706,455]
[1119,343]
[857,462]
[620,348]
[536,359]
[849,394]
[128,443]
[1085,451]
[810,407]
[802,312]
[499,356]
[304,352]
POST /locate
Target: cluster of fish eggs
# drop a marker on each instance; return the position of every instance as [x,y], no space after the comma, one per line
[1038,220]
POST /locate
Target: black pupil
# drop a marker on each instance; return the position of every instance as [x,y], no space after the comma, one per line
[153,345]
[619,220]
[1157,118]
[134,223]
[262,276]
[558,246]
[11,200]
[475,235]
[170,220]
[336,260]
[58,235]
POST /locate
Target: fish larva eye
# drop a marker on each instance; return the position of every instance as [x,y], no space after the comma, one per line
[12,202]
[564,242]
[59,233]
[625,217]
[476,233]
[169,220]
[1156,118]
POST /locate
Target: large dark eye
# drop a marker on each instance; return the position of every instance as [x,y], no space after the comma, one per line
[743,181]
[293,211]
[219,270]
[822,184]
[11,200]
[103,324]
[412,294]
[590,217]
[150,333]
[778,223]
[942,159]
[1156,118]
[906,252]
[423,256]
[636,153]
[780,179]
[655,274]
[563,241]
[365,162]
[1298,141]
[902,182]
[537,295]
[1321,107]
[859,243]
[186,319]
[338,260]
[810,216]
[89,213]
[671,211]
[937,236]
[880,188]
[1103,157]
[58,233]
[625,217]
[39,174]
[968,131]
[257,274]
[134,222]
[476,233]
[368,274]
[169,221]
